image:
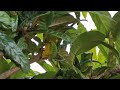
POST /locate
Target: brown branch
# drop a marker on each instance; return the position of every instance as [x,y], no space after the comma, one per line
[114,71]
[9,72]
[15,69]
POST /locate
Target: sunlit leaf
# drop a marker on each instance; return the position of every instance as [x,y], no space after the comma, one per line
[102,20]
[47,67]
[94,51]
[84,13]
[103,50]
[40,35]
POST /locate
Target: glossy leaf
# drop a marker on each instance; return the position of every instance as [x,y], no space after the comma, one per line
[13,51]
[86,41]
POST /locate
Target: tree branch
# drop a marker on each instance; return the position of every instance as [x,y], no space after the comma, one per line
[114,71]
[15,69]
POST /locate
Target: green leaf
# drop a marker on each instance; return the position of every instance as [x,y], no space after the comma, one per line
[14,22]
[22,75]
[117,44]
[60,35]
[104,50]
[4,18]
[47,75]
[77,13]
[81,29]
[26,17]
[93,50]
[115,76]
[18,75]
[116,17]
[80,73]
[40,35]
[99,70]
[22,44]
[47,67]
[53,50]
[4,66]
[86,41]
[63,20]
[13,51]
[10,33]
[60,14]
[112,48]
[31,46]
[49,18]
[102,20]
[73,33]
[84,13]
[101,59]
[8,22]
[116,25]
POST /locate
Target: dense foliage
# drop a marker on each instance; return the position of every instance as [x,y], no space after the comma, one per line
[94,54]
